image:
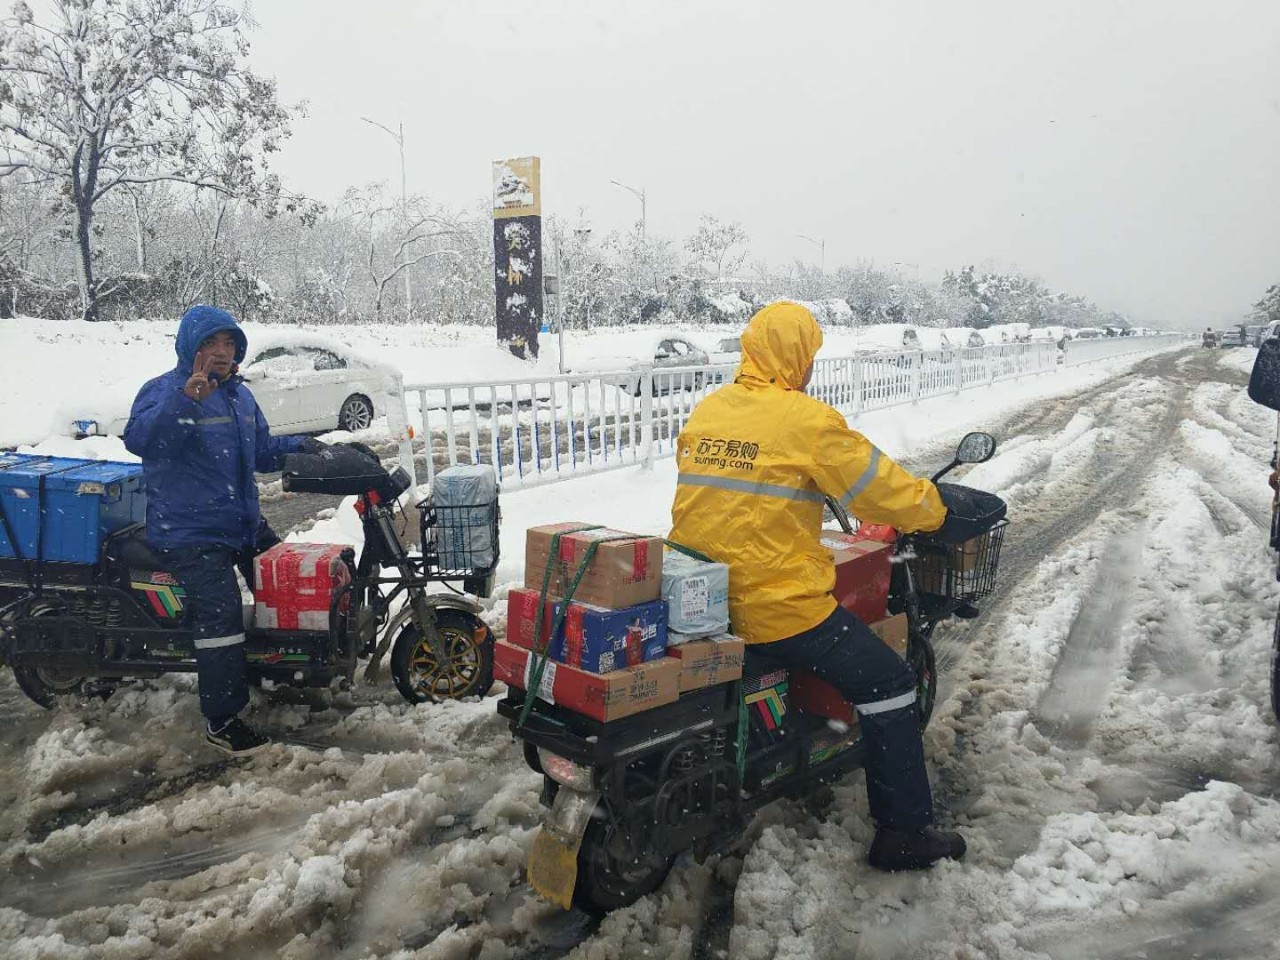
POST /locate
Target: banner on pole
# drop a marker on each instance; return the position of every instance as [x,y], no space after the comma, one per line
[517,253]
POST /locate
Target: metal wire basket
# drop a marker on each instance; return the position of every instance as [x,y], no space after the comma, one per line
[460,542]
[962,572]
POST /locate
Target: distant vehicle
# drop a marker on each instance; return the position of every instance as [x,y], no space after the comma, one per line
[669,355]
[314,384]
[1088,333]
[727,350]
[1232,337]
[1272,329]
[886,338]
[1255,334]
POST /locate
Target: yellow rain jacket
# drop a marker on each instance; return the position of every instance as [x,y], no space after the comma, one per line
[755,459]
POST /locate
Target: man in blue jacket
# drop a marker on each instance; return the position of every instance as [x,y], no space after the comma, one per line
[201,437]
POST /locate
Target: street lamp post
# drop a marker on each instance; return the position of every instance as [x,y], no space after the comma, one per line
[398,137]
[639,196]
[822,246]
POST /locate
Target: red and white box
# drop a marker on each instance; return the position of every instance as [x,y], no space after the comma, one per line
[294,585]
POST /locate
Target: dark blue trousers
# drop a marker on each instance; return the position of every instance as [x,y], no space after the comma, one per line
[214,614]
[844,652]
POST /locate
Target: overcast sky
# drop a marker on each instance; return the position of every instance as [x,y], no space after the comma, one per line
[1127,151]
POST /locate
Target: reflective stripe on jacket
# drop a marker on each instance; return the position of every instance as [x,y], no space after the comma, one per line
[755,459]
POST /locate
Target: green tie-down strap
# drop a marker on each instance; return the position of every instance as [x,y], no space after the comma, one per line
[741,744]
[542,646]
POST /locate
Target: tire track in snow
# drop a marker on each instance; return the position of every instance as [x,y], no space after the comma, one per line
[1089,660]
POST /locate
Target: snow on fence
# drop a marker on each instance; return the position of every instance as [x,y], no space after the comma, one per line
[547,428]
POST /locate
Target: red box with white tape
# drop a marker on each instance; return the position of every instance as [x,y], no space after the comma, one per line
[294,585]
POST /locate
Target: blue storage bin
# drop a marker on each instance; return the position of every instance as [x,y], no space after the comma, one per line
[84,501]
[10,459]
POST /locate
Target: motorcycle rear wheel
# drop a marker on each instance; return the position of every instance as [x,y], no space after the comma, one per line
[469,671]
[43,685]
[608,877]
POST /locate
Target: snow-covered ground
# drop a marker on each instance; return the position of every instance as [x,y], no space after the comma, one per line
[1103,738]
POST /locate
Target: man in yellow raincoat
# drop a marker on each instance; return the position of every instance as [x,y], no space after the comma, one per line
[755,459]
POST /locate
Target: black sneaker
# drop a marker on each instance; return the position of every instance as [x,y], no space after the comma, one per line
[894,850]
[237,738]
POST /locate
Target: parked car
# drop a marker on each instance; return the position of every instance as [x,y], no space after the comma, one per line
[313,384]
[728,350]
[1231,337]
[304,384]
[1256,334]
[669,355]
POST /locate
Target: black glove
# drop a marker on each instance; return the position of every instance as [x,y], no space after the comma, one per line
[312,445]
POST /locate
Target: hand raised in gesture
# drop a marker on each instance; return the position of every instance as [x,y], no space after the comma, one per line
[199,385]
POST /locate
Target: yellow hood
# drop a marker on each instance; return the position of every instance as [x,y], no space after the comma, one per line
[779,344]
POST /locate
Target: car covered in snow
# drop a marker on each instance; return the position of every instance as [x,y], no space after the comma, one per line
[310,384]
[304,384]
[668,356]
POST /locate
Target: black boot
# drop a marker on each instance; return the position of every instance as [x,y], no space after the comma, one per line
[894,850]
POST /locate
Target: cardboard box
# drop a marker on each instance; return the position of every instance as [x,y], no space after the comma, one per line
[602,696]
[623,572]
[862,573]
[294,585]
[704,663]
[962,563]
[591,638]
[818,697]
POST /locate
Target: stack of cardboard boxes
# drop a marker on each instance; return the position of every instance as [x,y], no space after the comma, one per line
[609,658]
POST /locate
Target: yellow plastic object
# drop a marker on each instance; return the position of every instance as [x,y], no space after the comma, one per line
[553,867]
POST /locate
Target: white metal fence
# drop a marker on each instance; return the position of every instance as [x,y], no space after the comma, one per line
[1104,348]
[546,428]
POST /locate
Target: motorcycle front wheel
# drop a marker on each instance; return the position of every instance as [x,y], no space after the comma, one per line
[925,665]
[467,672]
[1275,670]
[609,877]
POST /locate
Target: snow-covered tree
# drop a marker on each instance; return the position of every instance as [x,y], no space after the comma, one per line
[109,94]
[1268,308]
[712,248]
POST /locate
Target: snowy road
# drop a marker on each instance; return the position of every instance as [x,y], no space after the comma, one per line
[1103,738]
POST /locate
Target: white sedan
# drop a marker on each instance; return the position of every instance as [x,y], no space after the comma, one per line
[311,384]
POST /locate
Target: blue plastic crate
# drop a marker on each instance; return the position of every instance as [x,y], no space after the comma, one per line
[84,501]
[10,459]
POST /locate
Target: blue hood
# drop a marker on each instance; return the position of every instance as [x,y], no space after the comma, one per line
[198,324]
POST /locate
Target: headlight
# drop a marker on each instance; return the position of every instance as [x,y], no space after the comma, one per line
[565,772]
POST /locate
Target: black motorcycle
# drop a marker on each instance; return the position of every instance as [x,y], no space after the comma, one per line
[73,628]
[625,798]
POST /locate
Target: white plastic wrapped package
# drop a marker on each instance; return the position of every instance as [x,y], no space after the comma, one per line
[697,595]
[466,500]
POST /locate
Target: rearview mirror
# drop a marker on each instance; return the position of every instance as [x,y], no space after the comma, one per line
[976,448]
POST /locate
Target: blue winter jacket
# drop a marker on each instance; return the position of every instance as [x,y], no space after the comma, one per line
[199,458]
